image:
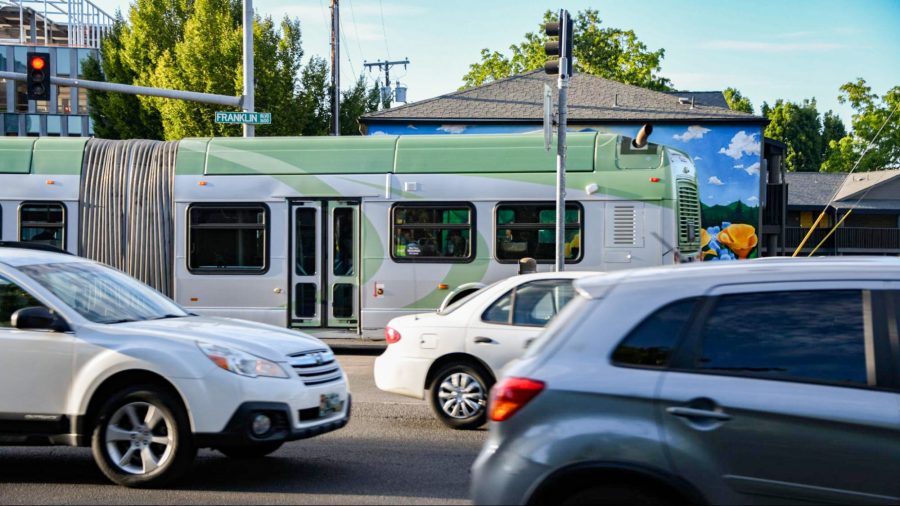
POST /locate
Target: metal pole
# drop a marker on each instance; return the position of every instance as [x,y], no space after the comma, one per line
[563,84]
[206,98]
[336,64]
[249,130]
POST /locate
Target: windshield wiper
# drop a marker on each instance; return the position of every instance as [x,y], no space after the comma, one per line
[123,320]
[163,317]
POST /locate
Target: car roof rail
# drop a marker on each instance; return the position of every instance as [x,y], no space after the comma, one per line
[33,245]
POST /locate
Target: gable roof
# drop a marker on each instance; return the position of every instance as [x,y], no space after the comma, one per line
[592,99]
[814,189]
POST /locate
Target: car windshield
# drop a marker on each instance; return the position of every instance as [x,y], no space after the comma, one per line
[101,294]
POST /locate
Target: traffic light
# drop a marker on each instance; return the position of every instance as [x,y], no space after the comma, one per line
[38,82]
[561,47]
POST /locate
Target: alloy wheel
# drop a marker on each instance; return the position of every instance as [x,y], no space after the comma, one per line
[138,438]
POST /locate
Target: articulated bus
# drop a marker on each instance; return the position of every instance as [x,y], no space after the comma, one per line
[337,235]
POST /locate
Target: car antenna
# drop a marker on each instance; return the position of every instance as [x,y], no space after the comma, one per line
[670,249]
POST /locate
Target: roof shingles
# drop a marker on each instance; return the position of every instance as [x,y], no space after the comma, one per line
[591,99]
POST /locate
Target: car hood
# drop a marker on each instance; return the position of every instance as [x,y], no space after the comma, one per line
[266,341]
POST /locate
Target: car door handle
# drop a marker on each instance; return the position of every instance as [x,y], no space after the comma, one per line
[698,413]
[485,340]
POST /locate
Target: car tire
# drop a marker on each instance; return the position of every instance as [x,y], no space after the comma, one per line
[459,395]
[142,438]
[255,451]
[615,494]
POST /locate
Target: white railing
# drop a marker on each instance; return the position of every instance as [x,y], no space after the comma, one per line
[84,23]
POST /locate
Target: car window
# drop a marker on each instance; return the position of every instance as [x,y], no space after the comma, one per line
[811,335]
[12,299]
[539,301]
[652,342]
[531,304]
[499,311]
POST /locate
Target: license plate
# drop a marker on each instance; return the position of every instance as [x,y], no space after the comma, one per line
[330,403]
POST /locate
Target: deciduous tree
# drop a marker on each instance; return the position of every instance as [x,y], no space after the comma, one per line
[736,101]
[871,113]
[606,52]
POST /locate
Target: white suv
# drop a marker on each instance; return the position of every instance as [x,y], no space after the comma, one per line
[92,357]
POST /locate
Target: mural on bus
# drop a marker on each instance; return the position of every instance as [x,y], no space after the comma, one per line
[727,157]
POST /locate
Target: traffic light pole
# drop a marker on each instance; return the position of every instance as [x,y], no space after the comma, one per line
[561,151]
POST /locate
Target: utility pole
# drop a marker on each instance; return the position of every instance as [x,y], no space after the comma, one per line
[249,85]
[336,64]
[386,65]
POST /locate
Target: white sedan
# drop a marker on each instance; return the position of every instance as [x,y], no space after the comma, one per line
[92,357]
[453,356]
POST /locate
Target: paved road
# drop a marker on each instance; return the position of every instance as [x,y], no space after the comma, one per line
[391,452]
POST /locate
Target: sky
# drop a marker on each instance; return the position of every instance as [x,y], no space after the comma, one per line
[767,49]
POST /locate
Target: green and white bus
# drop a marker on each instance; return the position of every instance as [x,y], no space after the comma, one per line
[338,235]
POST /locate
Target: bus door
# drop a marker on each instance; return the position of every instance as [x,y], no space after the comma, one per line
[324,259]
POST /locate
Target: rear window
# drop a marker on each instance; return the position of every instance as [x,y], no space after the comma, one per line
[802,335]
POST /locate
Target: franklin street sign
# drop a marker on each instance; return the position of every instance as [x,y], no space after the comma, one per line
[237,118]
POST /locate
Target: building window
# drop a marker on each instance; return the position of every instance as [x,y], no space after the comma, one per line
[63,61]
[83,55]
[82,101]
[21,97]
[431,232]
[3,91]
[228,239]
[74,126]
[529,230]
[43,222]
[63,100]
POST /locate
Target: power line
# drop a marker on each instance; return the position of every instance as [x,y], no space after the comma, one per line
[347,49]
[383,29]
[356,27]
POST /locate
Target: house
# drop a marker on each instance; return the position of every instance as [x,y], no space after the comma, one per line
[726,146]
[870,201]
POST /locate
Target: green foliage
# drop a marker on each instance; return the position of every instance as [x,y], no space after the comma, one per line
[611,53]
[833,130]
[871,112]
[736,101]
[355,102]
[196,45]
[798,126]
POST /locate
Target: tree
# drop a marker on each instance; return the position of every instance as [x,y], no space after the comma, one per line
[798,126]
[833,130]
[736,101]
[116,115]
[611,53]
[355,102]
[196,45]
[871,113]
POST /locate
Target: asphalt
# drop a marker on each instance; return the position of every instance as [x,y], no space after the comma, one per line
[392,452]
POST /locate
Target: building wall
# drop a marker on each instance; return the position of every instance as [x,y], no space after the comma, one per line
[727,157]
[66,113]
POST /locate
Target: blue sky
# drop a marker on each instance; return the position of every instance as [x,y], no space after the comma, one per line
[768,49]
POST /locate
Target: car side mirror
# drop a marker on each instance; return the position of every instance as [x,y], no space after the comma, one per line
[38,318]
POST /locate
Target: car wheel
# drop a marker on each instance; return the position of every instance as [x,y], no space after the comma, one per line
[459,395]
[142,438]
[255,451]
[615,494]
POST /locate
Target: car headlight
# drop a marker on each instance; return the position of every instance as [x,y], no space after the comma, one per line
[240,362]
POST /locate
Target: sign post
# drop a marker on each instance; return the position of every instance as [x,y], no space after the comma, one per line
[244,118]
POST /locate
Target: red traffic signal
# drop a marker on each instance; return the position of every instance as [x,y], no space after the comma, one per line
[38,76]
[38,63]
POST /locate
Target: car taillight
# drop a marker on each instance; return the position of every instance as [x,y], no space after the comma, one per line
[391,335]
[512,394]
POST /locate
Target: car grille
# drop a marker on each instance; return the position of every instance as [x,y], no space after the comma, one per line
[316,367]
[688,216]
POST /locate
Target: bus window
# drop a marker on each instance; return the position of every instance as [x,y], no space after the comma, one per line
[529,230]
[227,239]
[432,232]
[43,222]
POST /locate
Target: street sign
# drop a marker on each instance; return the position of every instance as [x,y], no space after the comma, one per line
[240,118]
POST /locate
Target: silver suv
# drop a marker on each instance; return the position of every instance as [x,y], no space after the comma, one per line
[767,381]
